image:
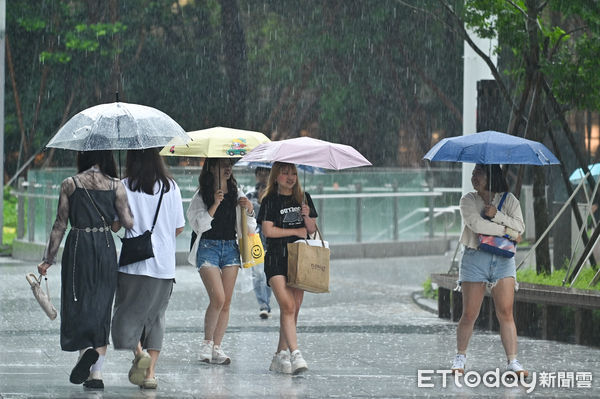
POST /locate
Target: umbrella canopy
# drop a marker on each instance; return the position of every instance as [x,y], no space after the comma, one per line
[491,147]
[310,152]
[217,142]
[578,174]
[118,126]
[268,165]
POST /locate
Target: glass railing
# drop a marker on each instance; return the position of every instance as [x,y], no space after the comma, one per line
[361,205]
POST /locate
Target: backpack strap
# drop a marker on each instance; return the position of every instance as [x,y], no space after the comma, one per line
[162,191]
[502,200]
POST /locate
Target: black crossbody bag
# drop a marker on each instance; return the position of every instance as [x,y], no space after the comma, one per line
[136,249]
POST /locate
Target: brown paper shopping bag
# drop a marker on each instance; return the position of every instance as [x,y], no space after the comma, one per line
[308,267]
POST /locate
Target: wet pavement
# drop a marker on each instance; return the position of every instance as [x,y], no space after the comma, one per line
[367,338]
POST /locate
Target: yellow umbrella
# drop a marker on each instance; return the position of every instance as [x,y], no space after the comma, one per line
[217,142]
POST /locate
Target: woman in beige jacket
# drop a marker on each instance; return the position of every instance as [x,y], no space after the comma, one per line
[480,269]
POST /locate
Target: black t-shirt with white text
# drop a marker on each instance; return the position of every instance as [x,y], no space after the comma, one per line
[285,212]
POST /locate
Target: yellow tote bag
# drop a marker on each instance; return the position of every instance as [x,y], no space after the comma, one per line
[251,248]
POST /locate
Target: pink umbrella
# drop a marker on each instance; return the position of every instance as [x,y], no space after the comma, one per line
[308,151]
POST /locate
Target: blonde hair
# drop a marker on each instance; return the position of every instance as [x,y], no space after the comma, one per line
[276,169]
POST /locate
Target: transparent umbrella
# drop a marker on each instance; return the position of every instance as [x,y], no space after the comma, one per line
[118,126]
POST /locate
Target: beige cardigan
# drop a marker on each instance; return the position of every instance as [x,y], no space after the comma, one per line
[200,221]
[471,205]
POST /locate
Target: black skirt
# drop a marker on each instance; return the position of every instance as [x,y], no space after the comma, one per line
[89,273]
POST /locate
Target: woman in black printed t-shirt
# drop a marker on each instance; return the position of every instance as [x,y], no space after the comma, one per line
[286,215]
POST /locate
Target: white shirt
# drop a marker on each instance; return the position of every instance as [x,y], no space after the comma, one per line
[170,217]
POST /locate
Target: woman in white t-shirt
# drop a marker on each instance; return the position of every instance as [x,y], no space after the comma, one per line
[144,288]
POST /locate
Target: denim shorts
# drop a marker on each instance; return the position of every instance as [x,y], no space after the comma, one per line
[217,253]
[481,266]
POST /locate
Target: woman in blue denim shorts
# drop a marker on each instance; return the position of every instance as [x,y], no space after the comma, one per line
[215,217]
[479,269]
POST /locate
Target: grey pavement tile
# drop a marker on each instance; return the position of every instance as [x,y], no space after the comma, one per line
[367,338]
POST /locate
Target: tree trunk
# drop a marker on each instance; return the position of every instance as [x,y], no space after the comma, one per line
[567,183]
[542,252]
[234,47]
[536,129]
[116,73]
[13,80]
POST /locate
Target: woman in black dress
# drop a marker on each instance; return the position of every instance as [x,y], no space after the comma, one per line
[90,201]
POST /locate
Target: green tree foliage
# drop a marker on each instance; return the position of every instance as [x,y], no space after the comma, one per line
[549,51]
[359,72]
[377,75]
[565,33]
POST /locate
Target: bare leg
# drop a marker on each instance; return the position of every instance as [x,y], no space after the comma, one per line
[472,295]
[503,294]
[211,277]
[288,313]
[298,298]
[101,350]
[228,277]
[138,349]
[153,359]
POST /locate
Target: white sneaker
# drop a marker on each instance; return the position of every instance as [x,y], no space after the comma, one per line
[298,363]
[206,351]
[264,314]
[218,356]
[458,364]
[281,363]
[516,368]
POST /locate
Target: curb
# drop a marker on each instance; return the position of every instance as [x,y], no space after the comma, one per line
[427,304]
[34,251]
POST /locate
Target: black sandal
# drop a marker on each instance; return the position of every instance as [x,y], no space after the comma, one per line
[81,371]
[94,384]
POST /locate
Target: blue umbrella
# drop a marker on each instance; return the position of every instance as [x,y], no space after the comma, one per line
[578,174]
[491,147]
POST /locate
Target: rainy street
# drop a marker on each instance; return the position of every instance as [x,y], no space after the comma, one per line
[394,129]
[367,338]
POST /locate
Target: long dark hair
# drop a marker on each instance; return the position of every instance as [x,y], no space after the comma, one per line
[495,179]
[104,159]
[206,182]
[144,168]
